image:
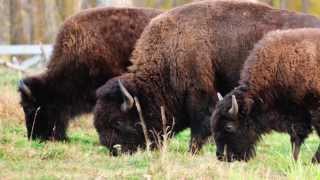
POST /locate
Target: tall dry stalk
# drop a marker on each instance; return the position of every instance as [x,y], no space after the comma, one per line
[34,121]
[143,124]
[167,130]
[164,128]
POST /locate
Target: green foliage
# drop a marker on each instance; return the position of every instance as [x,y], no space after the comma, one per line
[296,5]
[165,4]
[315,7]
[9,78]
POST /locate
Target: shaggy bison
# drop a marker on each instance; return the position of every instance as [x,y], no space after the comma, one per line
[282,74]
[91,47]
[182,59]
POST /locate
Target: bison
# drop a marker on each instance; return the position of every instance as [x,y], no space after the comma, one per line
[183,58]
[280,74]
[91,47]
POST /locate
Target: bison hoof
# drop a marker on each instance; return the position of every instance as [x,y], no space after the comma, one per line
[115,150]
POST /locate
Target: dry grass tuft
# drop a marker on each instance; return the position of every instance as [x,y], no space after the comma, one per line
[9,105]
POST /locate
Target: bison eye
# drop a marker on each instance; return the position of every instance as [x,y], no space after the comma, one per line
[230,127]
[118,124]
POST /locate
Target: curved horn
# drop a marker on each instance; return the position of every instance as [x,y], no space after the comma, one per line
[234,108]
[220,97]
[24,88]
[126,105]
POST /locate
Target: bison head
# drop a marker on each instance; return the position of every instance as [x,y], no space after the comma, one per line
[33,104]
[233,128]
[116,118]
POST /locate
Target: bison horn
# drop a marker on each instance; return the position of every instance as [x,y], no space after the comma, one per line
[234,108]
[220,97]
[127,104]
[24,88]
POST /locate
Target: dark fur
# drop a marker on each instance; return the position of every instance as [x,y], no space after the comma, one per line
[91,47]
[281,75]
[180,62]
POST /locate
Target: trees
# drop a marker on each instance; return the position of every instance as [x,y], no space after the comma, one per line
[305,5]
[34,21]
[17,35]
[37,34]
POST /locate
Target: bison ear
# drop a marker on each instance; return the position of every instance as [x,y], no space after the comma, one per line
[128,100]
[248,105]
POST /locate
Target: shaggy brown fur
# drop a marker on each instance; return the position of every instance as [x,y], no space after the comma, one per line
[281,73]
[91,47]
[182,59]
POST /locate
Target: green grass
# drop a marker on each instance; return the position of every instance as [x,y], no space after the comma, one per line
[84,158]
[8,78]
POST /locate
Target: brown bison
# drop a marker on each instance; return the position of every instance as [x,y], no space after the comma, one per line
[91,47]
[280,74]
[182,59]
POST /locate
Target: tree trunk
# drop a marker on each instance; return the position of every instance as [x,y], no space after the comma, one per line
[88,4]
[174,3]
[283,4]
[52,21]
[139,3]
[17,35]
[159,3]
[38,21]
[67,7]
[305,6]
[5,26]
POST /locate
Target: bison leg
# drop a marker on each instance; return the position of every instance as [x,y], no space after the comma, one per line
[295,145]
[196,143]
[316,124]
[316,157]
[199,112]
[299,130]
[298,134]
[220,151]
[59,131]
[200,133]
[60,128]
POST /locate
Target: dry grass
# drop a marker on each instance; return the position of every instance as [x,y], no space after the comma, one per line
[84,158]
[9,104]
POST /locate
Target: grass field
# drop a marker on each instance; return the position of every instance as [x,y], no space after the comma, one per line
[84,158]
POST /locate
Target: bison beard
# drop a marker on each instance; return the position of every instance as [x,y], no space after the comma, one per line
[182,59]
[91,47]
[281,74]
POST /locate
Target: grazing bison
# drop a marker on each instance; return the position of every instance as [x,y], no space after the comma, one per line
[182,59]
[91,47]
[281,73]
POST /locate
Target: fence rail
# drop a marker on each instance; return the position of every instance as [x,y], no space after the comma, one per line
[25,49]
[39,56]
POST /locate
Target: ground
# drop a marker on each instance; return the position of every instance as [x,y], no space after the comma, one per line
[84,158]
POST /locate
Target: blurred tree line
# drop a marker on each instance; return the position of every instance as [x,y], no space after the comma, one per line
[307,6]
[35,21]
